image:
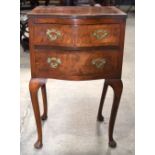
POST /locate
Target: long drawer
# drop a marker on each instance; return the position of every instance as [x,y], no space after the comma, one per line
[85,64]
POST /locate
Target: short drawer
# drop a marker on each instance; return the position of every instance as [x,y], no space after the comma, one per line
[56,35]
[77,36]
[98,35]
[57,64]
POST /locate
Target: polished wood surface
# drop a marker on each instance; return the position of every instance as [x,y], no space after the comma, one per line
[81,36]
[78,11]
[34,86]
[76,43]
[117,87]
[77,64]
[85,37]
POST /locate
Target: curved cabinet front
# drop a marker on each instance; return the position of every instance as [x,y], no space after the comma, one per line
[77,65]
[77,36]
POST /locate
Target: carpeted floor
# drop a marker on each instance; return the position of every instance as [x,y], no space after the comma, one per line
[71,128]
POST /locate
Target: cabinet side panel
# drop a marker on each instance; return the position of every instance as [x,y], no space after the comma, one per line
[122,37]
[31,37]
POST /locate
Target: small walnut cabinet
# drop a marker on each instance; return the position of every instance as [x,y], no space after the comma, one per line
[76,43]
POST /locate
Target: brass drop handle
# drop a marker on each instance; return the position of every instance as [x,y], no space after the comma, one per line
[99,62]
[53,34]
[100,34]
[54,62]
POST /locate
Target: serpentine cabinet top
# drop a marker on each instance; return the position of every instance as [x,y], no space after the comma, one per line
[78,11]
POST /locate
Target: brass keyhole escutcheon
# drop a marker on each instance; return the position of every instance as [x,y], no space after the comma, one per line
[53,62]
[53,34]
[100,34]
[99,62]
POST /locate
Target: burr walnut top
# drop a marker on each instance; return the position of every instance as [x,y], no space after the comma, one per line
[78,11]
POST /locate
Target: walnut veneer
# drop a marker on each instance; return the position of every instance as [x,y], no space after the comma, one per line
[76,43]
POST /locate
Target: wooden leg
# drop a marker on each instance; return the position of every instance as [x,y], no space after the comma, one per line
[44,95]
[34,85]
[117,87]
[100,116]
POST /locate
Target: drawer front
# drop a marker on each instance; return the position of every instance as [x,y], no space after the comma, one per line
[98,35]
[56,35]
[67,64]
[77,36]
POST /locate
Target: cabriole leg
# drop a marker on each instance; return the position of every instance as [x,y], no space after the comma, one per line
[117,87]
[100,116]
[44,95]
[34,86]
